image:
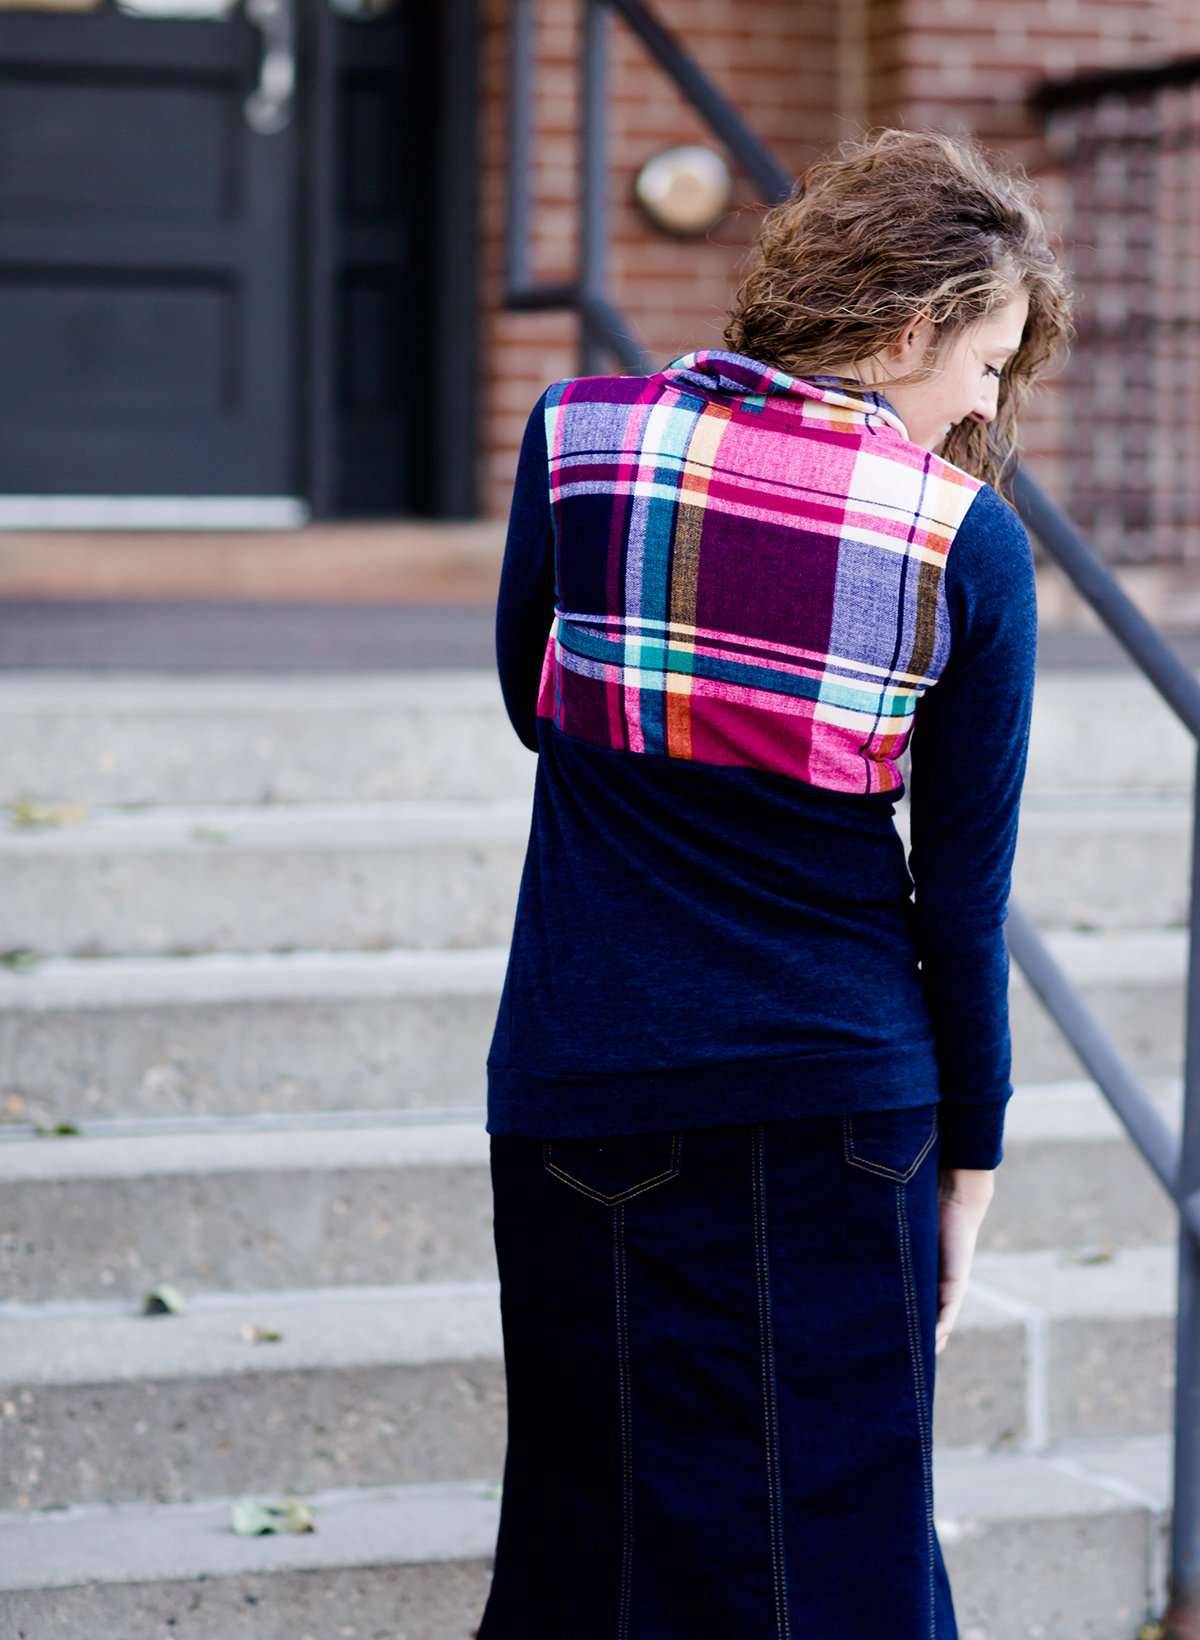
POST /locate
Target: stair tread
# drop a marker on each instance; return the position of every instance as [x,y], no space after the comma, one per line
[240,976]
[166,694]
[141,1543]
[444,1521]
[81,1341]
[392,823]
[1071,1111]
[1134,1283]
[1082,1475]
[320,1146]
[417,821]
[1076,1109]
[412,1323]
[1149,956]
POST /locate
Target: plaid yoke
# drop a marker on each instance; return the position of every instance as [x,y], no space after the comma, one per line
[748,570]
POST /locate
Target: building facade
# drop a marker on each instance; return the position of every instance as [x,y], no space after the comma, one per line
[254,250]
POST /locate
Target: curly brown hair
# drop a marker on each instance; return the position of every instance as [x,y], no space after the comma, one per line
[889,226]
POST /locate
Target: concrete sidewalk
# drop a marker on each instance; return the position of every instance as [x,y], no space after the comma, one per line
[261,636]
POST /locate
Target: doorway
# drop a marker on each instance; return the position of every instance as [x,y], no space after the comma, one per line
[227,229]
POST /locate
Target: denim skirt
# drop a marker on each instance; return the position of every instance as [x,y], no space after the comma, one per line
[719,1359]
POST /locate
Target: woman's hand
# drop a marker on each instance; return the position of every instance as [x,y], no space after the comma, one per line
[964,1194]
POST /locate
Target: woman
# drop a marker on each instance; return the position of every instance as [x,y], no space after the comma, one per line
[747,1085]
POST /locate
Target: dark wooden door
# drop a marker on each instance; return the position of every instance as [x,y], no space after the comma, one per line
[147,260]
[237,260]
[376,190]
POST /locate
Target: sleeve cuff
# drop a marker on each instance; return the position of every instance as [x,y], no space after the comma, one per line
[970,1135]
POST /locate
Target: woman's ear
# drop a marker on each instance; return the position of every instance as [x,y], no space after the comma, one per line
[916,337]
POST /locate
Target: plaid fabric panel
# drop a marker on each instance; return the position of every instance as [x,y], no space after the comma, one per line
[745,577]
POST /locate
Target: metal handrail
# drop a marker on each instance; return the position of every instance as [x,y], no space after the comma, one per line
[1174,1161]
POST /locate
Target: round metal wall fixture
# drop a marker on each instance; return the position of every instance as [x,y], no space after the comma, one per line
[684,190]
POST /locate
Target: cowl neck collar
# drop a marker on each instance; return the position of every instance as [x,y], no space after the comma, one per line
[715,371]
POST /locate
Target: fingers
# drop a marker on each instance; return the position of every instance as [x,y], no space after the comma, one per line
[951,1289]
[958,1230]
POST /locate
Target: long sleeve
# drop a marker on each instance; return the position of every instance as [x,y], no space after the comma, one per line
[525,600]
[968,750]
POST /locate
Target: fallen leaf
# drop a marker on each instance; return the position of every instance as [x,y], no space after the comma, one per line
[211,834]
[252,1518]
[30,811]
[297,1516]
[1088,1255]
[260,1335]
[164,1300]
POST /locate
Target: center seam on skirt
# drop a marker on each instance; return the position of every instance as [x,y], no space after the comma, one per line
[625,1421]
[912,1317]
[768,1375]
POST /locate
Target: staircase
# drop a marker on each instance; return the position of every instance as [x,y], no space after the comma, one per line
[269,954]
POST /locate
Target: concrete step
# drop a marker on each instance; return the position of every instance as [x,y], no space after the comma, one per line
[138,737]
[1066,1543]
[412,1561]
[1097,730]
[332,876]
[152,1036]
[366,1386]
[442,874]
[308,737]
[246,1203]
[243,1210]
[1132,980]
[1073,1542]
[1060,1344]
[1100,862]
[313,1030]
[99,1403]
[1071,1175]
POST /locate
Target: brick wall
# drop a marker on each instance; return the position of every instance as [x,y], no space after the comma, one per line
[804,74]
[775,59]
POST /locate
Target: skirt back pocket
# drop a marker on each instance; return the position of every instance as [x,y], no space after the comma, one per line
[891,1143]
[613,1167]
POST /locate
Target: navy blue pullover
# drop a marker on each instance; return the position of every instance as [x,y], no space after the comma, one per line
[697,943]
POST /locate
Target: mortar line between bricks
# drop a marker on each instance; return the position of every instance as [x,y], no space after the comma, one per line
[1036,1343]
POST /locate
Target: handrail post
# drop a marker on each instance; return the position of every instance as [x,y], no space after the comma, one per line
[518,216]
[1183,1613]
[593,209]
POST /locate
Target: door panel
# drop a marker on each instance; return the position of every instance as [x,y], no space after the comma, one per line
[147,261]
[385,377]
[196,305]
